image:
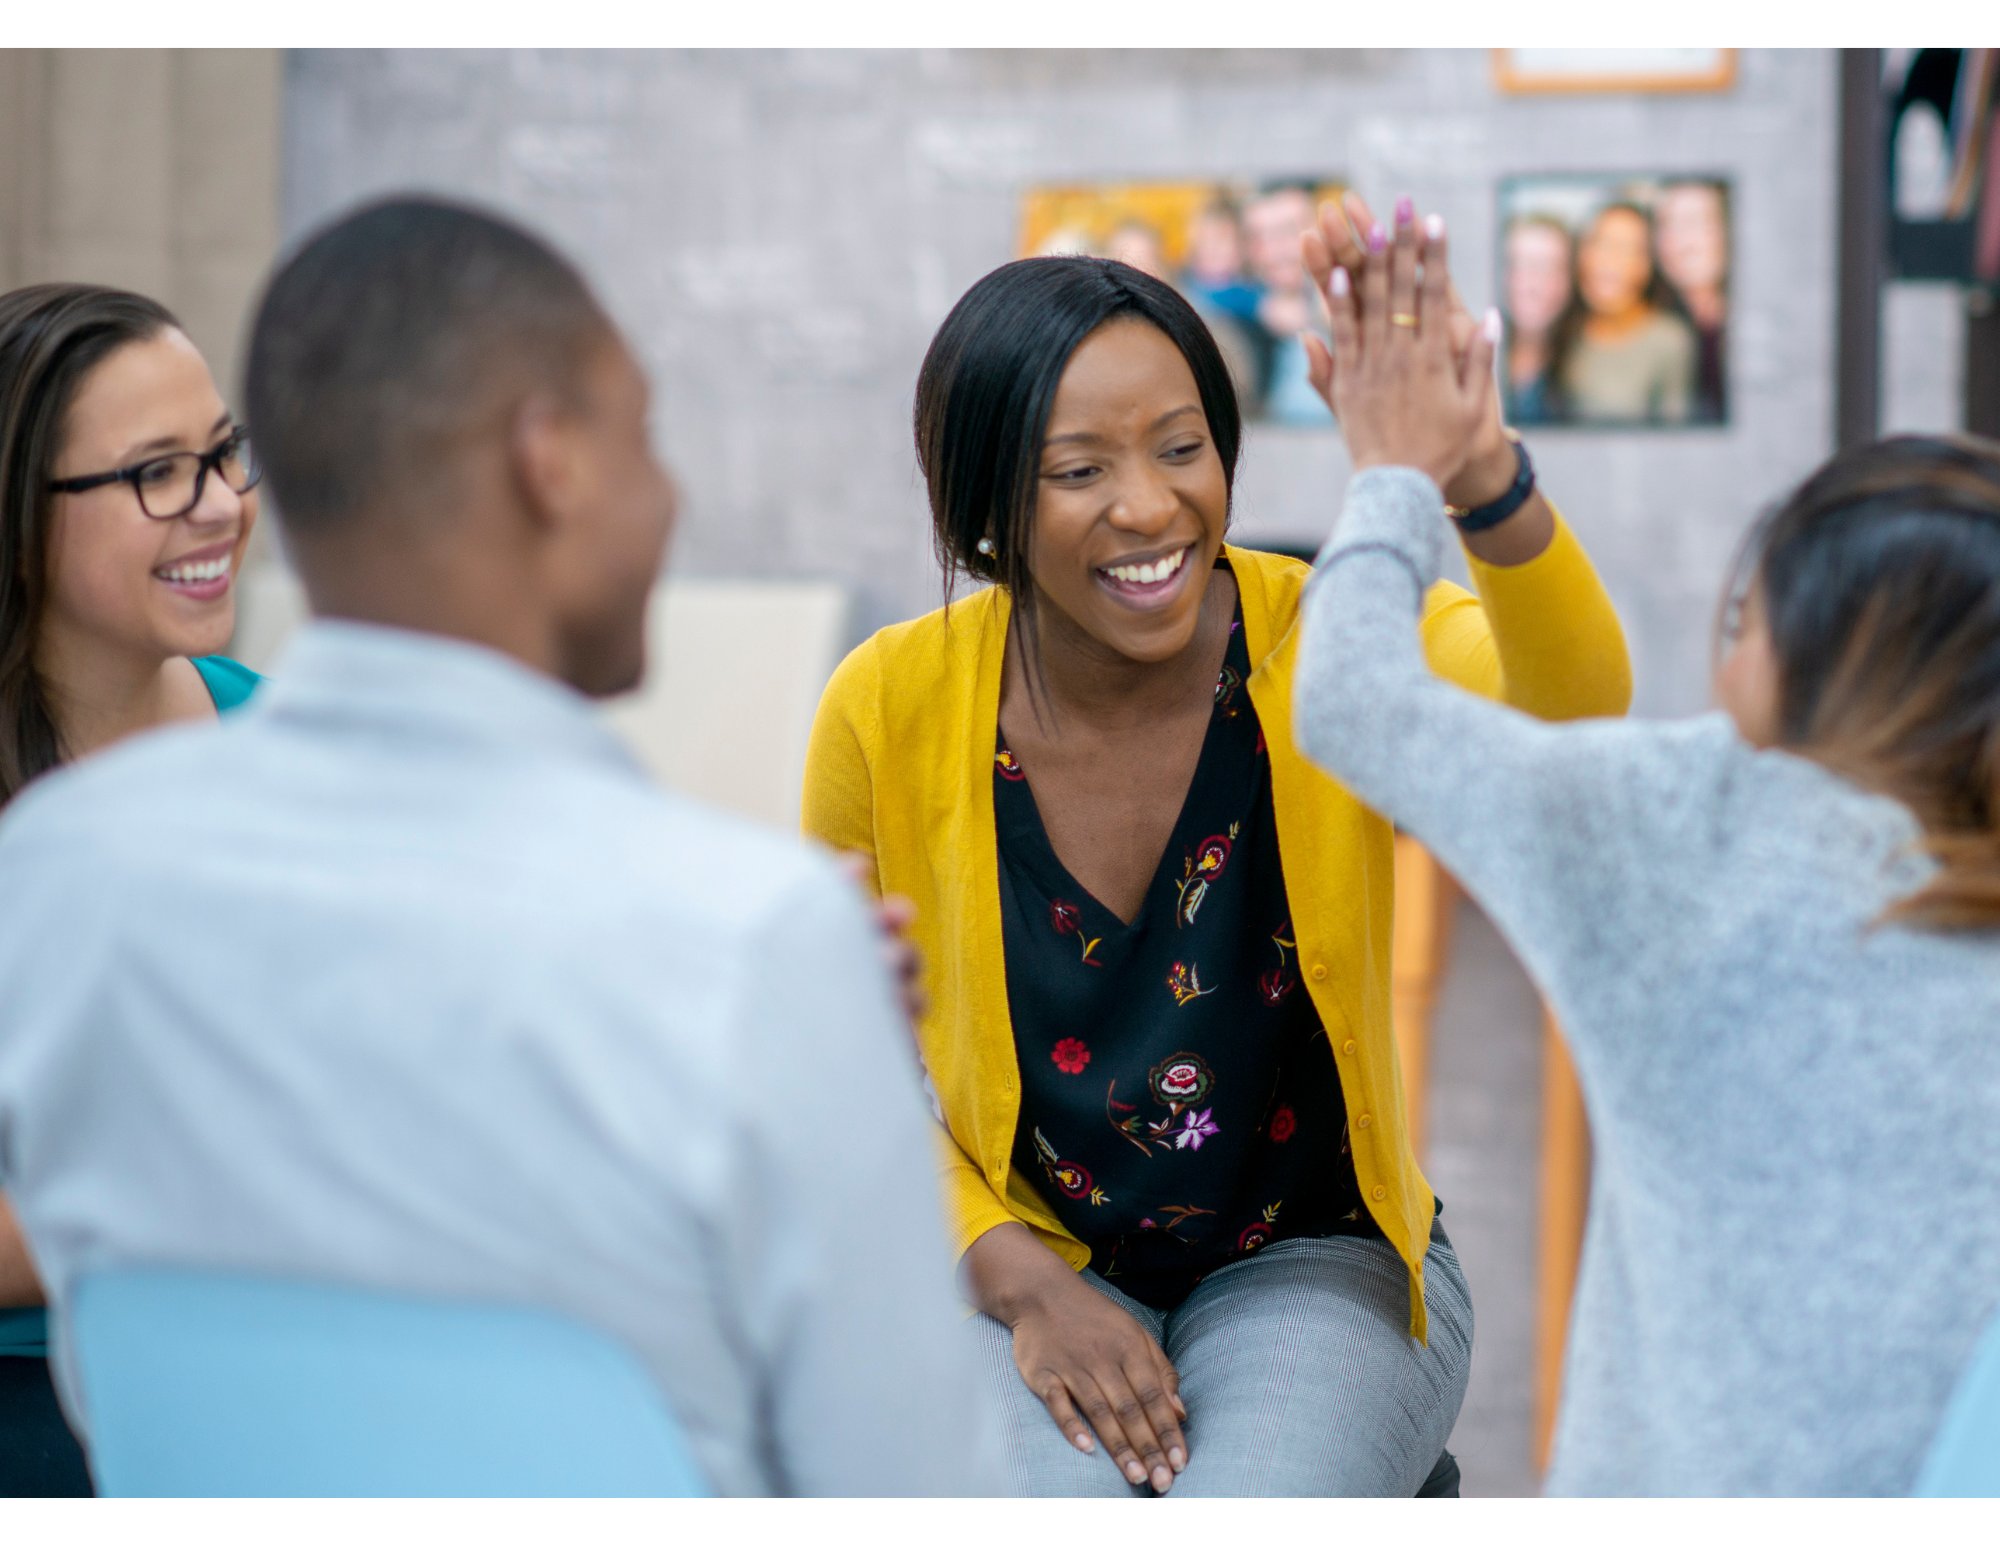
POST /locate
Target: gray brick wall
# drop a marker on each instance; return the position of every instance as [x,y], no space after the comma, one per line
[781,231]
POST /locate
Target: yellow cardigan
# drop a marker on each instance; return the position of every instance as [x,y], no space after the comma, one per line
[900,767]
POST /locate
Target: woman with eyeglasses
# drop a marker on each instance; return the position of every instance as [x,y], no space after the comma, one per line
[127,496]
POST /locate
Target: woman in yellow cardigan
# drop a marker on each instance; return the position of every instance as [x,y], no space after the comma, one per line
[1158,1038]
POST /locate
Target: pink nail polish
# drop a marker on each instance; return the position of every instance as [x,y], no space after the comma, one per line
[1406,209]
[1378,239]
[1494,326]
[1434,227]
[1338,284]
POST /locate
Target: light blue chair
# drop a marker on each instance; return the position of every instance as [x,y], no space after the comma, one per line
[1964,1460]
[198,1384]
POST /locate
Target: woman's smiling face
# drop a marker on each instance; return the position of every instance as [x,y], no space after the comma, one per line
[116,575]
[1132,500]
[1615,262]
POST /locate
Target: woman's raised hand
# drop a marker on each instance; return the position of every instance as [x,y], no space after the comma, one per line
[1406,388]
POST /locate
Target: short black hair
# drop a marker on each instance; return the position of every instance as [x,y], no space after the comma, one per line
[388,332]
[989,382]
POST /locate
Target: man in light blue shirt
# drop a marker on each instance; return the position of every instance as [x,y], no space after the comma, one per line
[408,978]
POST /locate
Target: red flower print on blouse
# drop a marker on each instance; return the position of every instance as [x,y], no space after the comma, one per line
[1181,1080]
[1071,1055]
[1257,1235]
[1066,918]
[1011,770]
[1198,869]
[1071,1179]
[1283,1123]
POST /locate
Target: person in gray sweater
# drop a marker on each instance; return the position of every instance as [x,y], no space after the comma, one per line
[1768,933]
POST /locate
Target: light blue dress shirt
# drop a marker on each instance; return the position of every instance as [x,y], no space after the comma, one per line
[24,1332]
[406,976]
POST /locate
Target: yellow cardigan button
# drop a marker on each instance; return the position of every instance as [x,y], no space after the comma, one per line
[1319,972]
[1380,1192]
[1348,1047]
[1364,1121]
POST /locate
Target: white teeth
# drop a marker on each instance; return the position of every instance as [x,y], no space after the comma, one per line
[1150,573]
[195,573]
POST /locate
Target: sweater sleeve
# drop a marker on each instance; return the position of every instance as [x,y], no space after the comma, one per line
[1542,823]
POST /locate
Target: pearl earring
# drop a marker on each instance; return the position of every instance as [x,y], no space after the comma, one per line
[985,545]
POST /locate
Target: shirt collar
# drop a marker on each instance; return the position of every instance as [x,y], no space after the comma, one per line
[361,676]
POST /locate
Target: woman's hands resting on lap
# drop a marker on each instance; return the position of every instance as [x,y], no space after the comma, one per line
[1089,1361]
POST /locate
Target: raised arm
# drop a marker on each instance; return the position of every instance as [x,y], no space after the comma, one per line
[1537,820]
[1543,635]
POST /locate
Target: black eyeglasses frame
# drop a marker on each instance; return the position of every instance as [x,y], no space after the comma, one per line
[207,461]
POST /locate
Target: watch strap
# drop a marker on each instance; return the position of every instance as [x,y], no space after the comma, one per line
[1487,516]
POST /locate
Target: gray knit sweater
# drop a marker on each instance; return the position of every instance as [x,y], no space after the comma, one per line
[1794,1229]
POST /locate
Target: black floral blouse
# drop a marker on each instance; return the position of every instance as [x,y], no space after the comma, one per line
[1179,1102]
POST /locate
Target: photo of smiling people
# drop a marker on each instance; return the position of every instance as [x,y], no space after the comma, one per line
[1231,248]
[1615,293]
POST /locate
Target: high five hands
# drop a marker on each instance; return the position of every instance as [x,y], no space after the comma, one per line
[1410,373]
[1408,388]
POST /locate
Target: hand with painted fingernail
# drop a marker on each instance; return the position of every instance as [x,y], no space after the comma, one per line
[1346,239]
[1404,390]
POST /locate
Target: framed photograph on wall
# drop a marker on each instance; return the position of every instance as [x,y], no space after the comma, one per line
[1230,247]
[1532,70]
[1615,295]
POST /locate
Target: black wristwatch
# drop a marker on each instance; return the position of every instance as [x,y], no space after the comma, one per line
[1487,516]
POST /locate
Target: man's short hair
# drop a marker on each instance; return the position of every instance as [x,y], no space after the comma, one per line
[389,334]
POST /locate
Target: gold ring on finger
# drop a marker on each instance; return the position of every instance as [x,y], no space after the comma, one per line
[1403,318]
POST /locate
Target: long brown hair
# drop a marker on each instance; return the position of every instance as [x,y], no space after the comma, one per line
[1880,584]
[51,337]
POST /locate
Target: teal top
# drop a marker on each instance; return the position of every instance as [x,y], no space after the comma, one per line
[229,684]
[25,1332]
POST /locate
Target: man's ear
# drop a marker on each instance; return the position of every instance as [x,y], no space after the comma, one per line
[544,458]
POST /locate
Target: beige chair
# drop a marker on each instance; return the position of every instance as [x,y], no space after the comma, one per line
[735,670]
[737,667]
